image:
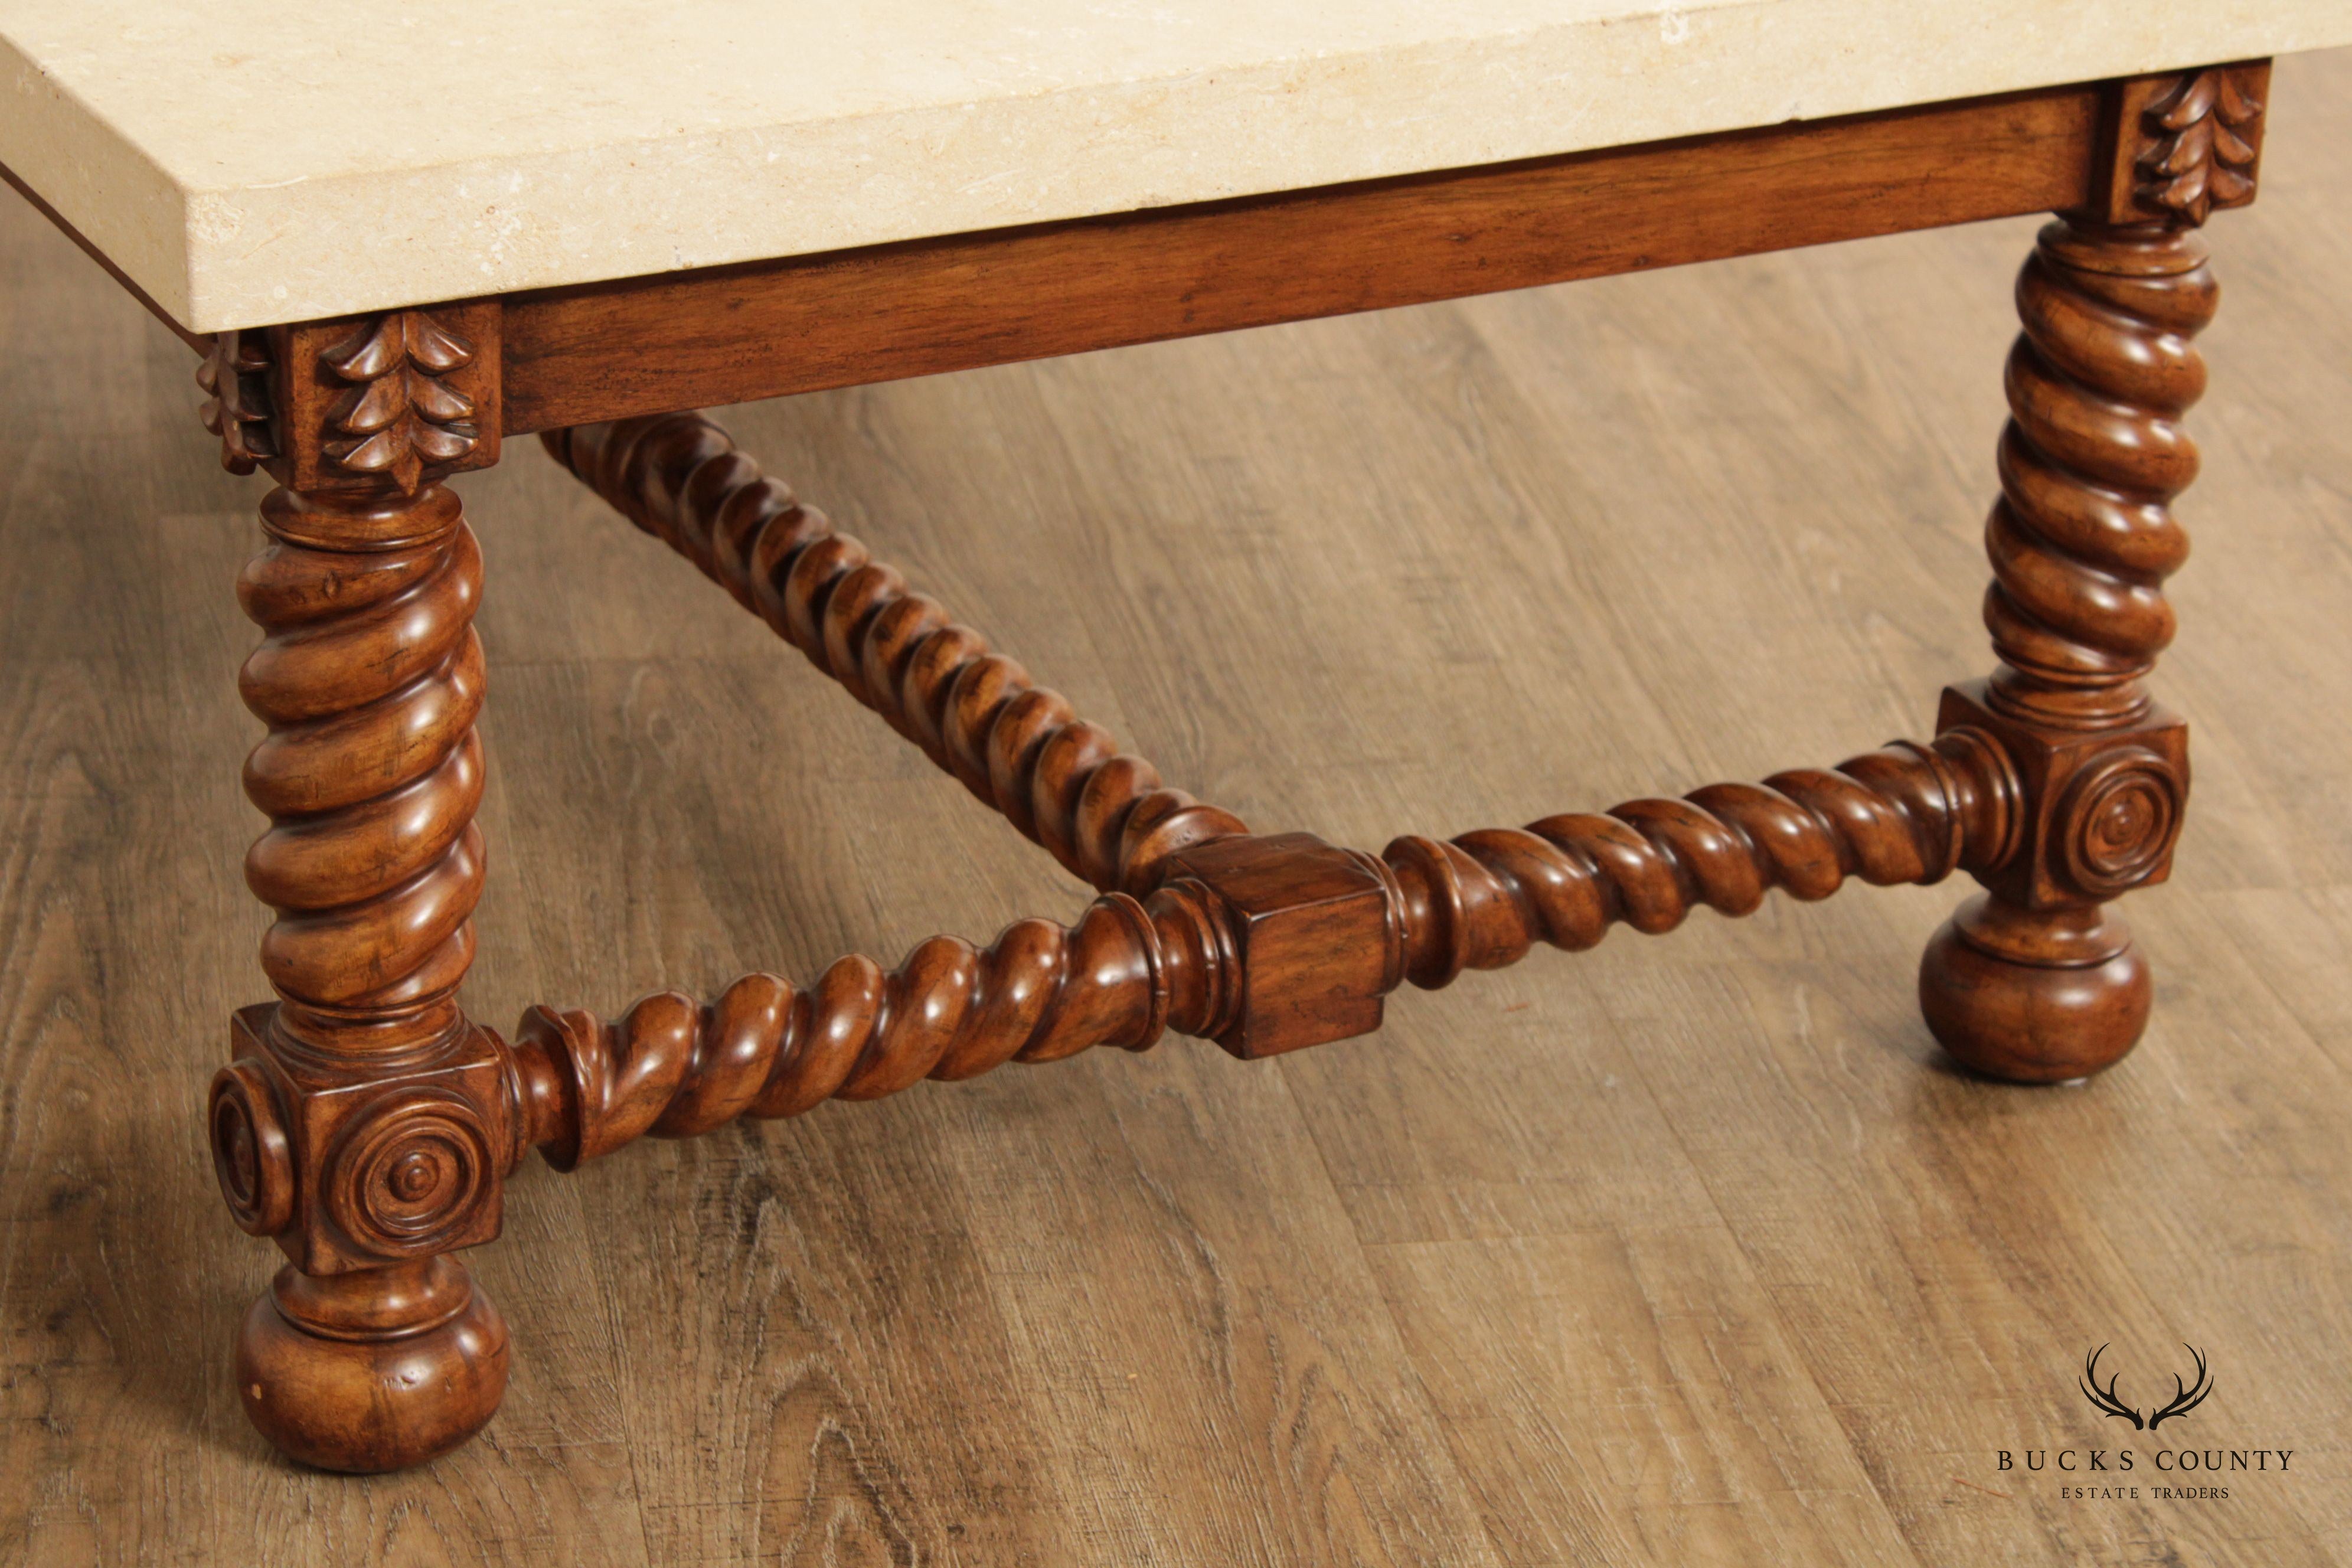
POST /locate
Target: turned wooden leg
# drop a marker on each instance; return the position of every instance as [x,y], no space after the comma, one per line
[2036,980]
[363,1122]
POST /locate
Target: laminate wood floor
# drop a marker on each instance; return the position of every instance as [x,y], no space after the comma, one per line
[1684,1251]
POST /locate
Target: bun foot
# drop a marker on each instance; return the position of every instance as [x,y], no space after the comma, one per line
[2033,996]
[371,1371]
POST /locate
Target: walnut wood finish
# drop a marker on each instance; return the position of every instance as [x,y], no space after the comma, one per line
[1267,944]
[2034,984]
[235,376]
[368,406]
[1018,747]
[732,334]
[2033,981]
[2183,143]
[362,1123]
[367,1126]
[1120,975]
[402,411]
[1905,813]
[1628,1212]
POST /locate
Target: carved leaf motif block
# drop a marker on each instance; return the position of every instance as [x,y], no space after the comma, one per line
[400,415]
[2203,141]
[235,379]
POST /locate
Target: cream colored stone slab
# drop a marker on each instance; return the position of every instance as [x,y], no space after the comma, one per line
[256,161]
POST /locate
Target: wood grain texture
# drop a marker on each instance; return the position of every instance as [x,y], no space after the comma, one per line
[124,841]
[649,345]
[1700,1264]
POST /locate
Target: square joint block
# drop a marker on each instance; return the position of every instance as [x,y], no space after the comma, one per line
[406,396]
[389,1161]
[1310,930]
[2101,809]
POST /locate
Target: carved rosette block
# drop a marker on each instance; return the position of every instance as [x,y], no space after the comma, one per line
[347,1167]
[2102,809]
[2036,981]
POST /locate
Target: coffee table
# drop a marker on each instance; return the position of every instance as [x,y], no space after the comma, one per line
[396,241]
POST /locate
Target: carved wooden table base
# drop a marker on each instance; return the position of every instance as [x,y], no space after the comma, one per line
[368,1126]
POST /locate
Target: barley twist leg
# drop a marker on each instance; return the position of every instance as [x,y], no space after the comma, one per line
[2035,979]
[362,1125]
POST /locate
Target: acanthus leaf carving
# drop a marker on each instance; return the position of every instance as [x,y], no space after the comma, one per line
[400,415]
[2203,139]
[235,379]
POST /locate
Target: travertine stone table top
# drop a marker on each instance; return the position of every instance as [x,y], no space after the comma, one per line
[256,161]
